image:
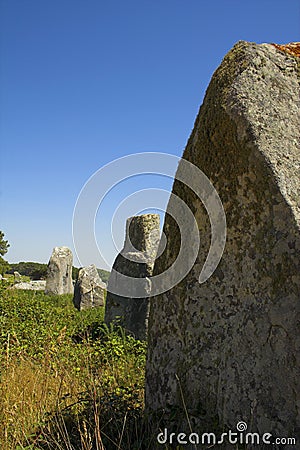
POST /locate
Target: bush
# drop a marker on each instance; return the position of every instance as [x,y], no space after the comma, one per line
[4,266]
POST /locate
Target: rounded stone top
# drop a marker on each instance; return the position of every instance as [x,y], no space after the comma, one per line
[61,251]
[142,233]
[144,218]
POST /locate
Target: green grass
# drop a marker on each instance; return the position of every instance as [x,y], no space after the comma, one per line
[11,278]
[67,381]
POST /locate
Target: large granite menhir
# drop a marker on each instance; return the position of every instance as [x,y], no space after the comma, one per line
[136,261]
[89,289]
[59,272]
[229,349]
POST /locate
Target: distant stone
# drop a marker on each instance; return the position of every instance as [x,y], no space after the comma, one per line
[38,285]
[59,272]
[17,276]
[135,261]
[89,289]
[228,350]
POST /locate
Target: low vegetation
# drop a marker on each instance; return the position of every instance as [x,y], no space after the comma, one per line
[4,245]
[38,271]
[33,270]
[67,380]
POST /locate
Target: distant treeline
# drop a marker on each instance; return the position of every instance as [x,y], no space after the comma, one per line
[104,275]
[35,271]
[38,271]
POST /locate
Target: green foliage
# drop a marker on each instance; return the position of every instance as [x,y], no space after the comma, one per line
[34,270]
[3,244]
[31,321]
[93,372]
[4,266]
[75,272]
[104,275]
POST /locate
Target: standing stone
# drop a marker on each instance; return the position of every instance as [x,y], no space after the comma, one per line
[89,289]
[136,260]
[17,277]
[229,349]
[59,272]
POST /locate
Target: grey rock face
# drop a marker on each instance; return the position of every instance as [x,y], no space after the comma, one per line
[59,273]
[230,347]
[89,289]
[135,261]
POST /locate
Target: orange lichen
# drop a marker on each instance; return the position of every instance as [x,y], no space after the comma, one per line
[293,48]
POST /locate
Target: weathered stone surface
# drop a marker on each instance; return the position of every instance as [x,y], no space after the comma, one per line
[230,347]
[136,260]
[38,285]
[59,272]
[89,289]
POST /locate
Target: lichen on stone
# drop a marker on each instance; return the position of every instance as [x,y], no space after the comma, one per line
[230,346]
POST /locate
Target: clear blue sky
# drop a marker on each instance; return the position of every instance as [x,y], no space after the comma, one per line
[85,82]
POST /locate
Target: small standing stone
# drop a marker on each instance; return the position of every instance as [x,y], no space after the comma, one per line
[17,277]
[59,273]
[89,289]
[136,260]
